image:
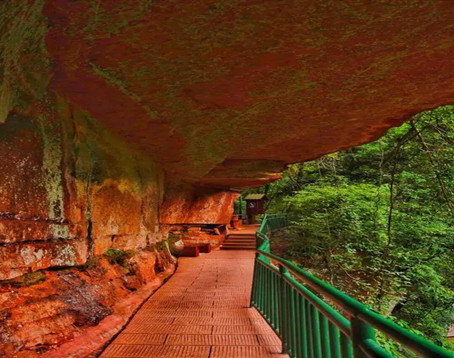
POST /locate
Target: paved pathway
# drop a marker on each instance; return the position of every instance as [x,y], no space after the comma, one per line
[201,312]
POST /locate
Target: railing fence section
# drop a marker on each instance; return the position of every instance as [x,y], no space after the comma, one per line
[294,303]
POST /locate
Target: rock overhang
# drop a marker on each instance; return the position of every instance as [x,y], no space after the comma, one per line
[225,94]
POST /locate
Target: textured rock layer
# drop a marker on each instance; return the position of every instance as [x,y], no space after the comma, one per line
[59,305]
[225,93]
[72,194]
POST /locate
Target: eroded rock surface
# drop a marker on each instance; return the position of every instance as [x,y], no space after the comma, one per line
[53,307]
[225,93]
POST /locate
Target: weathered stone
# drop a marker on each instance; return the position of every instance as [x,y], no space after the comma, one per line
[27,230]
[144,265]
[34,311]
[46,331]
[116,209]
[18,259]
[183,204]
[235,91]
[195,239]
[44,315]
[22,189]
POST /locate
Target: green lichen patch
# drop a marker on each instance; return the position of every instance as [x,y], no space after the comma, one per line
[53,176]
[103,24]
[15,126]
[29,279]
[98,154]
[119,257]
[24,62]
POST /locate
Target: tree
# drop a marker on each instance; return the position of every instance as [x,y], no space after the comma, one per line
[377,221]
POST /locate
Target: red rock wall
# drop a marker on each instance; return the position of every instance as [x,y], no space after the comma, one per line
[184,204]
[49,313]
[226,93]
[73,196]
[70,191]
[221,94]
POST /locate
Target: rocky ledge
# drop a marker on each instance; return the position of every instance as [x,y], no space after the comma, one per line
[83,306]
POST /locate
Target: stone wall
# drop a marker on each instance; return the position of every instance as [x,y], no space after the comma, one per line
[71,190]
[79,228]
[80,240]
[185,204]
[80,233]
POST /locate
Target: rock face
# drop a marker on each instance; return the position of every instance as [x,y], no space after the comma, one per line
[197,206]
[225,93]
[122,119]
[48,308]
[72,196]
[71,191]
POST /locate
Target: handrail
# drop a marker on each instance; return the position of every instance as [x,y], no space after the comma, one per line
[297,285]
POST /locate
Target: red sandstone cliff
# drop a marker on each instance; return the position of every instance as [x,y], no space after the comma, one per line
[118,119]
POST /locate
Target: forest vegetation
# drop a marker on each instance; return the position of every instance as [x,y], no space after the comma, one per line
[376,221]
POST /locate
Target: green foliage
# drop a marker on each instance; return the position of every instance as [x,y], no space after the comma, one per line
[377,221]
[24,62]
[120,257]
[26,280]
[91,263]
[174,238]
[159,246]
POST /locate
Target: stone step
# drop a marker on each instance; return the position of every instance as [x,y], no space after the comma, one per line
[239,241]
[243,239]
[241,234]
[238,247]
[238,244]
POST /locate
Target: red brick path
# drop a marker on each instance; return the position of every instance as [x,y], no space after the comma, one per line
[201,312]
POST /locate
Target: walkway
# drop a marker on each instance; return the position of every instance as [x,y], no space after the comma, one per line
[201,312]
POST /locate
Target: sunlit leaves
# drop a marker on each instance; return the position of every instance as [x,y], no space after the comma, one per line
[399,260]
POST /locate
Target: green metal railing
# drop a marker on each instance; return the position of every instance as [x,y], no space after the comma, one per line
[294,303]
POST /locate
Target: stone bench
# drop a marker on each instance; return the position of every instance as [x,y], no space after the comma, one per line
[190,251]
[205,248]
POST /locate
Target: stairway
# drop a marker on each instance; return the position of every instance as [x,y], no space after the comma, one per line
[239,241]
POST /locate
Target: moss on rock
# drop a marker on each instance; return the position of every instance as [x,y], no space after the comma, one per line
[24,62]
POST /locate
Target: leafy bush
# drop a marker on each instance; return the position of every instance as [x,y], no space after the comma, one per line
[377,221]
[120,257]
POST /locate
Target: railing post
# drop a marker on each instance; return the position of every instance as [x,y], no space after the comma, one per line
[283,309]
[254,280]
[360,332]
